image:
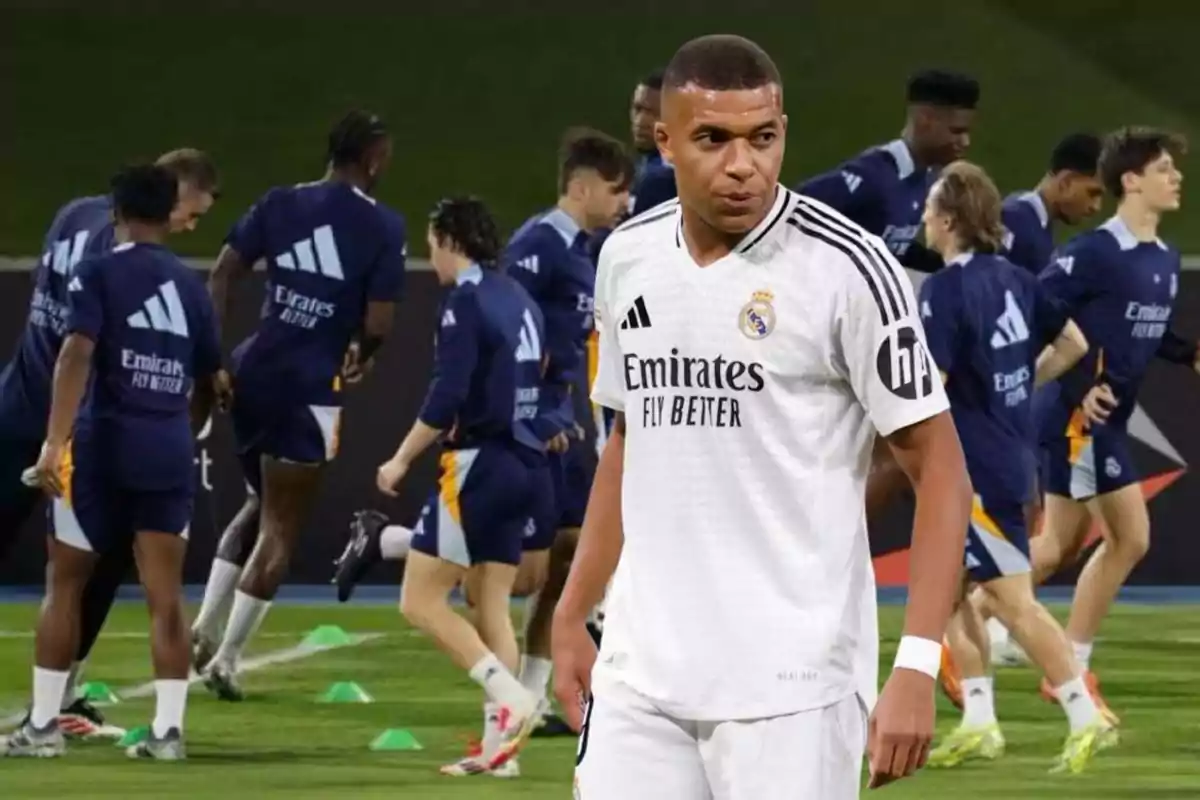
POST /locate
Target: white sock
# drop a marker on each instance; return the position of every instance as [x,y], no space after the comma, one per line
[979,703]
[493,732]
[71,692]
[997,633]
[394,542]
[1083,654]
[1077,701]
[218,593]
[501,686]
[535,675]
[171,700]
[244,619]
[48,688]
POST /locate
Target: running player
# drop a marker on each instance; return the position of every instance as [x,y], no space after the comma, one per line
[140,339]
[83,227]
[335,265]
[884,188]
[1070,192]
[484,396]
[753,342]
[988,322]
[1119,283]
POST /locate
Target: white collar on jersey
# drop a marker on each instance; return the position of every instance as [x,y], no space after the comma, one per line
[962,259]
[472,274]
[1039,207]
[562,222]
[1125,238]
[898,150]
[783,201]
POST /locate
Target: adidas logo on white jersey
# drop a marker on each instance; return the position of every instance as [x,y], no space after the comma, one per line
[637,317]
[1010,326]
[163,312]
[529,263]
[852,181]
[317,255]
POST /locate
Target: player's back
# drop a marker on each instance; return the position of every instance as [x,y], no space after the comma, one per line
[81,228]
[987,320]
[1120,291]
[497,327]
[154,331]
[882,189]
[1028,232]
[325,245]
[548,255]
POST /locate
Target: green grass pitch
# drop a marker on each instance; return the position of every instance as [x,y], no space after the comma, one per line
[282,743]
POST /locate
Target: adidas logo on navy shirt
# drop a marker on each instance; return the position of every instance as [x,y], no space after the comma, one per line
[317,255]
[163,313]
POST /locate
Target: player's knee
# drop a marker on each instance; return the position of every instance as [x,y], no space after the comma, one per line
[531,577]
[1134,542]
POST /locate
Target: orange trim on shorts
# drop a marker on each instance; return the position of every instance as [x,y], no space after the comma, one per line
[982,520]
[1078,427]
[448,485]
[66,470]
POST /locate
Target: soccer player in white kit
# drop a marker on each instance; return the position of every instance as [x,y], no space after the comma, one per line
[753,343]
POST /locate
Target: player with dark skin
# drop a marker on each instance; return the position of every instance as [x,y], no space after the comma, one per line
[263,534]
[727,148]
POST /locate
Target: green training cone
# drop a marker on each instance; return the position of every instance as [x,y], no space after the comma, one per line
[134,736]
[346,692]
[395,739]
[98,693]
[327,636]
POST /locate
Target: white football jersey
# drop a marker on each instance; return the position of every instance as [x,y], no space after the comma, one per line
[752,390]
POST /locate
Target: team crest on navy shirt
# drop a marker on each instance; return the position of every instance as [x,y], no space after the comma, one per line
[757,318]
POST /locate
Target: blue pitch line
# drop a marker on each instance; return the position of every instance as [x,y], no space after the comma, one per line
[389,595]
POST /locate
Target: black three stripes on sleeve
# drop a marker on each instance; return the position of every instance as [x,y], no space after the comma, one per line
[864,254]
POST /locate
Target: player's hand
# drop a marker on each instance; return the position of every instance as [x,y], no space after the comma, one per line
[46,471]
[559,444]
[1099,403]
[574,655]
[900,732]
[353,368]
[578,433]
[223,389]
[391,472]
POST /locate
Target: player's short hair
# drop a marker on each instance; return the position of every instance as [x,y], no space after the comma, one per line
[1131,149]
[354,135]
[938,87]
[653,80]
[194,167]
[585,148]
[144,192]
[1078,152]
[721,62]
[465,224]
[970,197]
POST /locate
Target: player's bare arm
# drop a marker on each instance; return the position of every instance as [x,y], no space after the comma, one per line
[70,383]
[931,456]
[1061,354]
[377,324]
[229,268]
[596,557]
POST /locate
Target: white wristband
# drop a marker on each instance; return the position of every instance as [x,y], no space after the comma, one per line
[922,655]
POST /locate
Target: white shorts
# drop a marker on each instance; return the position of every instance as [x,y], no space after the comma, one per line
[628,750]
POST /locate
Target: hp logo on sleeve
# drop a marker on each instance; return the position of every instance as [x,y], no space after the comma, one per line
[904,365]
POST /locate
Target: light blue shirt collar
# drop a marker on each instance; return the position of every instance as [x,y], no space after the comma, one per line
[562,222]
[472,274]
[1039,207]
[1125,238]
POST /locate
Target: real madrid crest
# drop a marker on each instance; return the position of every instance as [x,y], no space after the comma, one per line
[757,318]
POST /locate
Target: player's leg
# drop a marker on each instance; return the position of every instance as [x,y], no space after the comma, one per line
[814,754]
[80,528]
[289,491]
[629,750]
[372,539]
[233,551]
[160,547]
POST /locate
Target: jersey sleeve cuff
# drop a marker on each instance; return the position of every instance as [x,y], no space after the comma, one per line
[911,414]
[608,399]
